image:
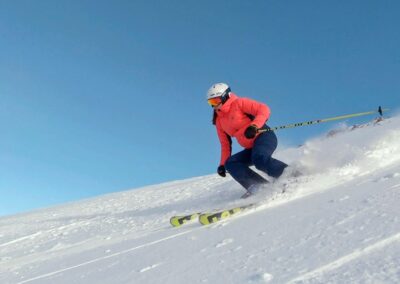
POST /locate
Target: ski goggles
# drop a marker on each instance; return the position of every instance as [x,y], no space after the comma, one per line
[214,101]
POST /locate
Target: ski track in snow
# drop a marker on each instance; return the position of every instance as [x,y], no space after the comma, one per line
[30,237]
[109,256]
[338,223]
[358,253]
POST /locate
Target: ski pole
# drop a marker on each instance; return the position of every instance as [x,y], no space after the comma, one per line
[380,111]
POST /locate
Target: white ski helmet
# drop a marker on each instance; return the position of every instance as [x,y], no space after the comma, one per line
[218,90]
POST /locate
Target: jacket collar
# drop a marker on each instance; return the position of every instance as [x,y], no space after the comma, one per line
[227,105]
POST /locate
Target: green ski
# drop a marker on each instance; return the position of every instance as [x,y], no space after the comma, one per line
[178,221]
[213,217]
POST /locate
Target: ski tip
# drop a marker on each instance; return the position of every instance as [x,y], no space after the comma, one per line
[203,219]
[174,221]
[177,221]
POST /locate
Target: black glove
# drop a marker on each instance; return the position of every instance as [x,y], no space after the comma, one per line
[251,131]
[221,171]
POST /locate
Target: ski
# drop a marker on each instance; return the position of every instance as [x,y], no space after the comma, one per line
[178,221]
[207,218]
[213,217]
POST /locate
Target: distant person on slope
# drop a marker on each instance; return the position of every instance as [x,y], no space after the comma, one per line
[242,118]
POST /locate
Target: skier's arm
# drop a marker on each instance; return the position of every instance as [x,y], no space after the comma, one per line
[226,144]
[260,111]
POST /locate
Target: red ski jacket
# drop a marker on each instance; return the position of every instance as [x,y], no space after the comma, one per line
[234,116]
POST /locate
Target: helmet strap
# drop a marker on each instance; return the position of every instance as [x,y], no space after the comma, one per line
[225,95]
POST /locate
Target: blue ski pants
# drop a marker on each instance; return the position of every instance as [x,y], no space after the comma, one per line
[238,165]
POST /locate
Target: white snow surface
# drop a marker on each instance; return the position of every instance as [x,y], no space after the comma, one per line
[338,223]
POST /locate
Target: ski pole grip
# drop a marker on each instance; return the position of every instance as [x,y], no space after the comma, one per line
[262,130]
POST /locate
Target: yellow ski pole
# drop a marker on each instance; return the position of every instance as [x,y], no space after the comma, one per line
[380,111]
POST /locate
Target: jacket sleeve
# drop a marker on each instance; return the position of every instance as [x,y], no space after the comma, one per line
[260,111]
[226,144]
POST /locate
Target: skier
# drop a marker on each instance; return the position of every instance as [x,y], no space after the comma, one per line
[242,118]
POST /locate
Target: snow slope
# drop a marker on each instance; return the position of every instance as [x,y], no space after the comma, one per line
[339,223]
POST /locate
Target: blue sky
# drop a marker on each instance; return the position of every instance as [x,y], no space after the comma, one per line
[104,96]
